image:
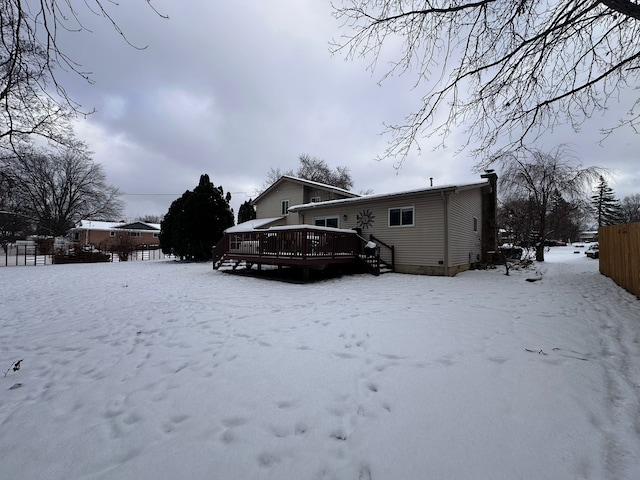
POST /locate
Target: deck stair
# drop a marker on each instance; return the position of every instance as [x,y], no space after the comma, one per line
[230,264]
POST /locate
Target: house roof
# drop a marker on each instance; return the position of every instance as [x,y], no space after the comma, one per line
[252,224]
[382,196]
[99,225]
[248,227]
[139,226]
[309,183]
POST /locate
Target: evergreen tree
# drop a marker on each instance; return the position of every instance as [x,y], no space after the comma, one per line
[606,207]
[196,221]
[246,212]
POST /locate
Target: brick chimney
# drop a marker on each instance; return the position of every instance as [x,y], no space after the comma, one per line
[489,216]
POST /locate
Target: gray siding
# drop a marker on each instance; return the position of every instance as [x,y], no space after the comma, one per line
[464,243]
[419,245]
[421,248]
[271,205]
[315,192]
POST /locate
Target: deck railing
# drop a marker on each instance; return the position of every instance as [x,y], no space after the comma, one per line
[391,250]
[306,244]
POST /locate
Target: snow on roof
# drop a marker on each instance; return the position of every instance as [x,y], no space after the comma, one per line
[251,225]
[320,185]
[99,225]
[309,227]
[323,186]
[378,196]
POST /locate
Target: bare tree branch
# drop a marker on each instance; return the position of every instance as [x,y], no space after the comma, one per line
[33,102]
[505,72]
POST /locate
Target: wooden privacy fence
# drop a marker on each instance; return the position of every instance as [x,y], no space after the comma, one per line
[620,255]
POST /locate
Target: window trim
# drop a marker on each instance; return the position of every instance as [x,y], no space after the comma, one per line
[284,207]
[325,218]
[402,209]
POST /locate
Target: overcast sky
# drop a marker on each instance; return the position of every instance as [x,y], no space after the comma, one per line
[232,89]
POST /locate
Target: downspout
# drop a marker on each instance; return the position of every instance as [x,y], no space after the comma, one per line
[445,198]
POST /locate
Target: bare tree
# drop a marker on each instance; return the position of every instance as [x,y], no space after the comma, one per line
[273,175]
[315,170]
[57,189]
[33,102]
[504,69]
[541,178]
[631,208]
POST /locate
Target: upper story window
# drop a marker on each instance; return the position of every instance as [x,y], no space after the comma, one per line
[401,217]
[316,199]
[285,207]
[475,224]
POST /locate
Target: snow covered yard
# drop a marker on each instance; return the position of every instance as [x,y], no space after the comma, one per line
[162,370]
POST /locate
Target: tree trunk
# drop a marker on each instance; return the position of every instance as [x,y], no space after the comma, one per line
[542,233]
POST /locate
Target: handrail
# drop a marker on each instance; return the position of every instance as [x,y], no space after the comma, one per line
[220,249]
[390,247]
[370,262]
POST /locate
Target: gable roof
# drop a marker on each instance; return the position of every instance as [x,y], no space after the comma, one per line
[99,225]
[139,226]
[251,225]
[382,196]
[303,182]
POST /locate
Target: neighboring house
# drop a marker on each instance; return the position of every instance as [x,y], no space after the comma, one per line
[104,235]
[434,231]
[287,191]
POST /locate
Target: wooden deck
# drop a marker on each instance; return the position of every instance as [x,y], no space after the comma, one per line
[305,246]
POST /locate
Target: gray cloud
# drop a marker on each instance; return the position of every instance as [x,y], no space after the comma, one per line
[234,88]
